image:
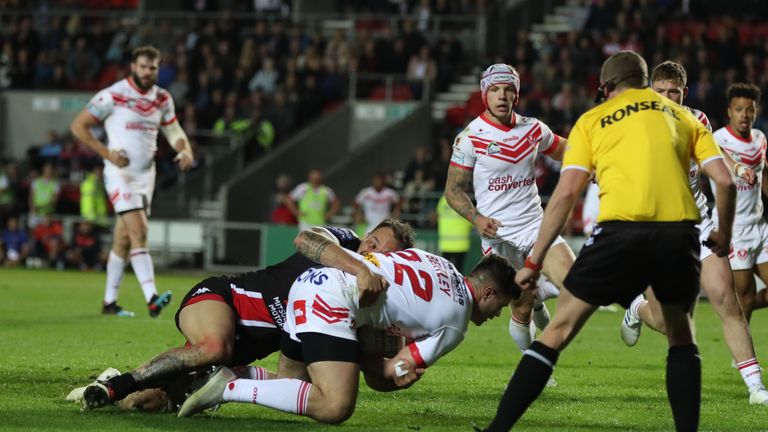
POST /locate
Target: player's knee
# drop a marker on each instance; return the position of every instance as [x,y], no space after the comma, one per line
[337,410]
[215,350]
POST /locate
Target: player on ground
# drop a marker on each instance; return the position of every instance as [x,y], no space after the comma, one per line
[496,155]
[428,301]
[669,79]
[132,110]
[238,319]
[646,233]
[746,146]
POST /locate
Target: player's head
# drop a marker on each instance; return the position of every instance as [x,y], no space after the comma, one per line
[670,80]
[743,99]
[315,177]
[377,181]
[145,62]
[500,88]
[493,282]
[625,69]
[391,234]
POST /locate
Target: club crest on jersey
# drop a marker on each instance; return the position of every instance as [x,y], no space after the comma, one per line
[493,148]
[372,259]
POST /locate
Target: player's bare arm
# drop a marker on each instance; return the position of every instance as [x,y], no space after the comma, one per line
[80,128]
[390,374]
[455,186]
[569,189]
[323,248]
[170,362]
[560,150]
[179,141]
[335,207]
[725,192]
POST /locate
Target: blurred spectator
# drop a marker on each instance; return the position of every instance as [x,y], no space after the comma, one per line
[49,242]
[373,204]
[43,194]
[230,122]
[51,150]
[86,252]
[7,192]
[312,202]
[14,243]
[261,135]
[82,65]
[281,214]
[93,197]
[265,79]
[421,67]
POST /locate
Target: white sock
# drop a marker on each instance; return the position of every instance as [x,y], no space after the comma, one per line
[521,333]
[287,395]
[115,271]
[545,289]
[141,261]
[541,315]
[750,372]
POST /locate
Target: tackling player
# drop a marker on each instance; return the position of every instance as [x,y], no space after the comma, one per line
[428,301]
[132,110]
[669,79]
[238,319]
[496,155]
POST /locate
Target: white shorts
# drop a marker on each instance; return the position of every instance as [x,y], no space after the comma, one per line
[322,302]
[516,248]
[130,191]
[749,246]
[705,228]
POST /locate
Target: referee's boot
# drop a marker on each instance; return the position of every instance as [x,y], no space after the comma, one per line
[158,303]
[632,324]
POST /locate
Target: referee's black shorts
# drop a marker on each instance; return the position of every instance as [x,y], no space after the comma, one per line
[621,259]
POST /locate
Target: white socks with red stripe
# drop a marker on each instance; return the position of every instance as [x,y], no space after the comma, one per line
[521,332]
[287,395]
[115,271]
[142,265]
[750,372]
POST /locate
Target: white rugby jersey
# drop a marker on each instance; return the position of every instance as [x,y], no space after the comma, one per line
[376,205]
[693,172]
[502,160]
[751,154]
[428,300]
[131,119]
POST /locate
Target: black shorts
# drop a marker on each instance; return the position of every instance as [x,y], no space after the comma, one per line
[621,259]
[251,343]
[316,347]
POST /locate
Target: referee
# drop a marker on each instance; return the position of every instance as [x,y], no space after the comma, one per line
[639,144]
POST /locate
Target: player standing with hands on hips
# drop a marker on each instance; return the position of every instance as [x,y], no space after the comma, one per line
[639,144]
[131,111]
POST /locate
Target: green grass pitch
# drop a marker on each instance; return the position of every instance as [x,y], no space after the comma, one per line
[53,338]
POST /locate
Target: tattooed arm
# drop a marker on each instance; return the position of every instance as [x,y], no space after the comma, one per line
[321,247]
[455,187]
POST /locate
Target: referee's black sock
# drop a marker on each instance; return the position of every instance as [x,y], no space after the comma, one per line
[684,386]
[525,386]
[121,386]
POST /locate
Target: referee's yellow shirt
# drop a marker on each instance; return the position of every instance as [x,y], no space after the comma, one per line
[640,145]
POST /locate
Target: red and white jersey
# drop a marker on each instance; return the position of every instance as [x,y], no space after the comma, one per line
[131,119]
[376,205]
[693,172]
[751,154]
[428,300]
[502,159]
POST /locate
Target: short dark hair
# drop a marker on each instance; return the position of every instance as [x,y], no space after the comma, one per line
[670,70]
[744,90]
[500,270]
[147,51]
[625,69]
[404,233]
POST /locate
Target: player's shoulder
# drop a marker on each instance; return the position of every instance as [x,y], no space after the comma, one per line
[163,95]
[758,135]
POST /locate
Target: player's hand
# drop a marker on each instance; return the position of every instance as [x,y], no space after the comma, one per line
[118,157]
[526,278]
[719,242]
[403,371]
[746,174]
[486,226]
[185,160]
[370,286]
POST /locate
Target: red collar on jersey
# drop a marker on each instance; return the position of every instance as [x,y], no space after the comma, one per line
[738,135]
[471,289]
[137,88]
[501,127]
